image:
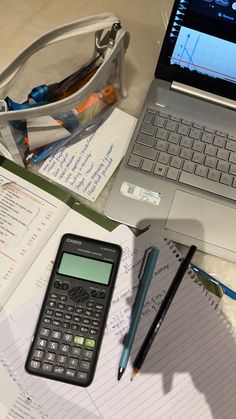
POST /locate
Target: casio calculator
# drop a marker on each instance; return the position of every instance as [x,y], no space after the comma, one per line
[73,316]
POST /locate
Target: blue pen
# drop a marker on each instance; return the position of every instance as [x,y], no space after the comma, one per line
[49,150]
[71,140]
[227,291]
[146,274]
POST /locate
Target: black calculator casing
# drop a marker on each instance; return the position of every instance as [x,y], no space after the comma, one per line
[71,324]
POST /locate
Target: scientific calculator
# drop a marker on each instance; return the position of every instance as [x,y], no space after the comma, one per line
[72,320]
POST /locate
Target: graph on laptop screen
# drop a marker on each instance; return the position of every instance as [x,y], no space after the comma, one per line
[202,38]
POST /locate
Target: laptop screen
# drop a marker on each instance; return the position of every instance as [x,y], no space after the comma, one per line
[199,48]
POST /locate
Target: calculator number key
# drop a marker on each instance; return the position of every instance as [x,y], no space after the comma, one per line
[56,334]
[38,354]
[35,364]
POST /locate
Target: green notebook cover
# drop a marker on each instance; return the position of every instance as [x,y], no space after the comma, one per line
[59,193]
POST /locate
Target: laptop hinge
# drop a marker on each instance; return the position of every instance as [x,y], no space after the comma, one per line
[201,94]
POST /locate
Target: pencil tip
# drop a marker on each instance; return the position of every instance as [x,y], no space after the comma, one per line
[134,373]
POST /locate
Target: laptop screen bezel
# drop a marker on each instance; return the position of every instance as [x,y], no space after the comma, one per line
[170,73]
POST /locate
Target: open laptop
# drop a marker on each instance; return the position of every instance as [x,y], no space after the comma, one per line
[179,171]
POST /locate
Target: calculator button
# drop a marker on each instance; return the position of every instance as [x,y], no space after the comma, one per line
[95,323]
[90,343]
[78,340]
[65,348]
[57,284]
[82,375]
[65,286]
[67,337]
[56,334]
[50,356]
[79,310]
[102,294]
[66,325]
[70,373]
[78,294]
[70,308]
[73,362]
[54,296]
[74,327]
[62,359]
[93,331]
[51,303]
[99,307]
[58,370]
[49,312]
[46,320]
[38,354]
[97,315]
[84,329]
[44,331]
[53,345]
[61,306]
[47,367]
[35,364]
[86,321]
[87,354]
[90,304]
[58,314]
[76,351]
[56,322]
[42,343]
[67,316]
[63,298]
[84,365]
[88,312]
[77,318]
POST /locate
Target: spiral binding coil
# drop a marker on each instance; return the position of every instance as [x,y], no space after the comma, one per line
[204,291]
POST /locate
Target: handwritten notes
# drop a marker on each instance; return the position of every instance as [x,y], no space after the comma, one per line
[86,166]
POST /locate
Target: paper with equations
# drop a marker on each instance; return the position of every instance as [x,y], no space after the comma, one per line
[190,371]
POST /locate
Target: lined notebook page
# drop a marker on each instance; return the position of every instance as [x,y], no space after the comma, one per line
[190,371]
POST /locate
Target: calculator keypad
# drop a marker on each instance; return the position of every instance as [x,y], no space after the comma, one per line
[67,339]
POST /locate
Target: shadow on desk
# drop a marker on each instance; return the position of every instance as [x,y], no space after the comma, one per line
[188,345]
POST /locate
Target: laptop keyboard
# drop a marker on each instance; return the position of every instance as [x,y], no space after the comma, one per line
[186,152]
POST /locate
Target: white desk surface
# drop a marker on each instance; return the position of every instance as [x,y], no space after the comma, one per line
[22,21]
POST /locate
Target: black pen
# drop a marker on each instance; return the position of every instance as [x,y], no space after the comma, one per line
[147,343]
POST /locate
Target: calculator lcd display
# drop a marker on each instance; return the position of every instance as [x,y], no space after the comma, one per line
[85,268]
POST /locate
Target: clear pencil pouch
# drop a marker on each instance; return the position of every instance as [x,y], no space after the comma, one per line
[61,87]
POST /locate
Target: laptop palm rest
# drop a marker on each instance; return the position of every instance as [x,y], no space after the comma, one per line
[214,218]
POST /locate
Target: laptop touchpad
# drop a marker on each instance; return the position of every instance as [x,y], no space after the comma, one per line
[213,223]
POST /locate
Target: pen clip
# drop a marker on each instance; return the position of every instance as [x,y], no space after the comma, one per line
[144,261]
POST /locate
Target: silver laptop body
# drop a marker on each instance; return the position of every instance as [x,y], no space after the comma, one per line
[179,171]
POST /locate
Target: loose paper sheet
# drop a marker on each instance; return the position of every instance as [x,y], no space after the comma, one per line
[85,167]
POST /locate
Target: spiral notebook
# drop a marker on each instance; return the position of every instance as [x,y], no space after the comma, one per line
[190,371]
